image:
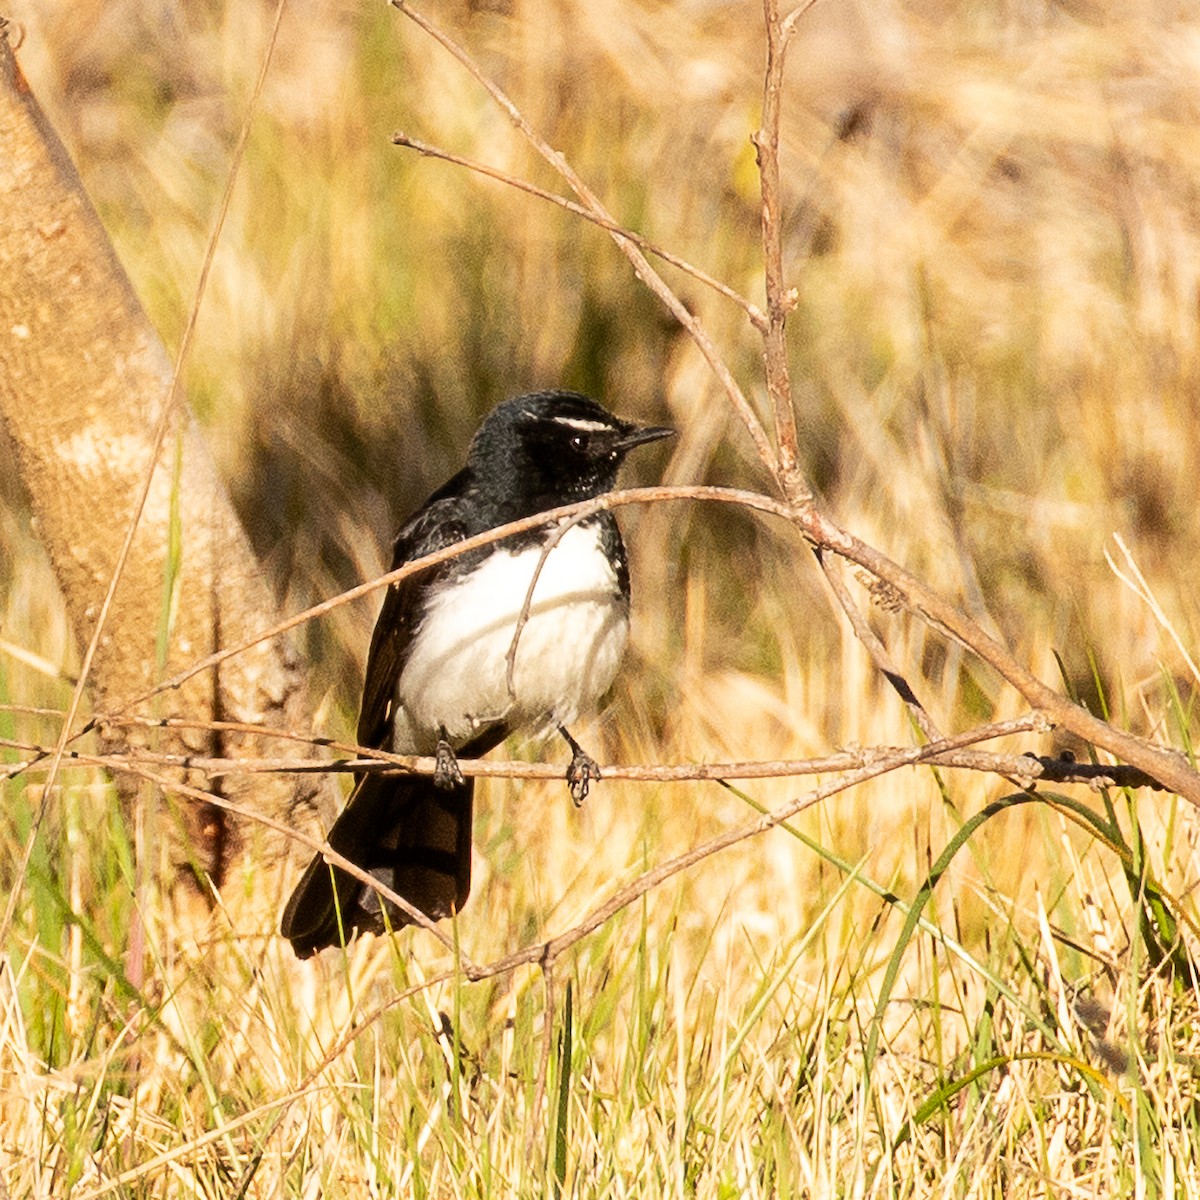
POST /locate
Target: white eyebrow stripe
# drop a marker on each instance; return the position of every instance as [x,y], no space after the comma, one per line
[583,425]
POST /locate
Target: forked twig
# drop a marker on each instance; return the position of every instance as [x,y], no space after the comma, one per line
[752,311]
[781,300]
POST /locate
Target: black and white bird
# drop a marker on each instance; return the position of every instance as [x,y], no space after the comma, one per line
[439,678]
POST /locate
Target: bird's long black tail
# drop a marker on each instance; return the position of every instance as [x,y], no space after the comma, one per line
[412,836]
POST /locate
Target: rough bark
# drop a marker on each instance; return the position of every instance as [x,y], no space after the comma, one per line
[83,382]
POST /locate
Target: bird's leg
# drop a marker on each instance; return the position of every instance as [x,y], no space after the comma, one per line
[583,770]
[447,776]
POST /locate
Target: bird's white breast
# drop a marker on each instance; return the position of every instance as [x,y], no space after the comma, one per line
[456,676]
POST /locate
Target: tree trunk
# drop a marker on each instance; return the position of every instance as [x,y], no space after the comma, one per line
[83,382]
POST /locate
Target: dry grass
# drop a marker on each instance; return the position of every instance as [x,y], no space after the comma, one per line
[992,225]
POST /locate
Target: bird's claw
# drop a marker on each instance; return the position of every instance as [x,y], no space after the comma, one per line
[581,774]
[446,775]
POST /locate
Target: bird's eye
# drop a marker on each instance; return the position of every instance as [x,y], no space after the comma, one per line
[578,442]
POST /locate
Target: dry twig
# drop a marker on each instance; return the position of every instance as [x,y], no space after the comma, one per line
[753,312]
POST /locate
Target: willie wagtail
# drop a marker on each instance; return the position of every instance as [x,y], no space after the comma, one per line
[438,678]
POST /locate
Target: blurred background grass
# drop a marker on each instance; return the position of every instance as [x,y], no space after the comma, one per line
[992,223]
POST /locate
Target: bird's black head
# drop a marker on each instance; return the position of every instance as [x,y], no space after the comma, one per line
[552,448]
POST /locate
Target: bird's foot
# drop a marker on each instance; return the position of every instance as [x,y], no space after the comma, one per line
[582,772]
[446,775]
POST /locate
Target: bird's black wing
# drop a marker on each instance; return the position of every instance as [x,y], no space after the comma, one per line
[434,526]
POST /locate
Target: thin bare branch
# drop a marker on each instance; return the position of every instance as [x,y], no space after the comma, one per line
[752,311]
[173,786]
[780,299]
[548,950]
[1025,769]
[1170,768]
[583,509]
[877,650]
[510,655]
[646,882]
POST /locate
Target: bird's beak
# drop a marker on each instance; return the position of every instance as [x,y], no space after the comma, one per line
[638,435]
